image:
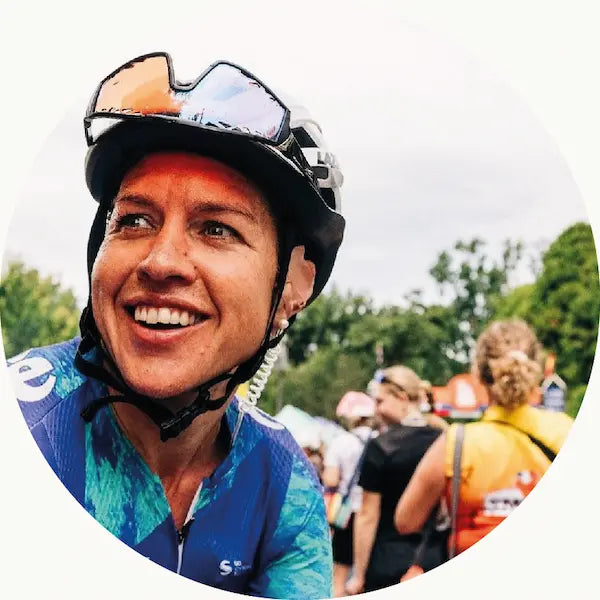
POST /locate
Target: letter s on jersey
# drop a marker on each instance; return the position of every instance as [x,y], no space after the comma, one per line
[22,370]
[225,567]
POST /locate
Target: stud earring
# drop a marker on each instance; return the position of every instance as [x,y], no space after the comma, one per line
[282,325]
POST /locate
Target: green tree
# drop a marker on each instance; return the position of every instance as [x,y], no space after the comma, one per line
[317,384]
[419,340]
[35,310]
[474,281]
[325,323]
[563,306]
[516,303]
[566,305]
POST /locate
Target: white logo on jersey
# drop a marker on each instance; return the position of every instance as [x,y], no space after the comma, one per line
[238,568]
[225,567]
[22,370]
[502,502]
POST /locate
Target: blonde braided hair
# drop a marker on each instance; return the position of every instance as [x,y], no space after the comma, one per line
[508,361]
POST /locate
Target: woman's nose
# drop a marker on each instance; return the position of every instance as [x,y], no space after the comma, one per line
[168,258]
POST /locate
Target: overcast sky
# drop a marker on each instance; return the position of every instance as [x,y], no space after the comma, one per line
[433,146]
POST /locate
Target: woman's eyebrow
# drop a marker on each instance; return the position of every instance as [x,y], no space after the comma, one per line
[198,207]
[223,207]
[134,199]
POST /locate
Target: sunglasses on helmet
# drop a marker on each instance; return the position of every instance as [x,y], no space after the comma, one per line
[225,97]
[379,377]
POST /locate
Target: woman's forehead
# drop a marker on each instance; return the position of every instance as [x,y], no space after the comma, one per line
[189,177]
[385,389]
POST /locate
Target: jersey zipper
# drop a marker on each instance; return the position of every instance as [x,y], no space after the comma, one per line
[183,532]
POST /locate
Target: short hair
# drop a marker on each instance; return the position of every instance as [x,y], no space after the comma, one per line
[404,378]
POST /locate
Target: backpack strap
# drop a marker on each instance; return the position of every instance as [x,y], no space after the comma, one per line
[456,464]
[548,452]
[354,479]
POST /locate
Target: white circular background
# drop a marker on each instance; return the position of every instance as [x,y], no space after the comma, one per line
[56,51]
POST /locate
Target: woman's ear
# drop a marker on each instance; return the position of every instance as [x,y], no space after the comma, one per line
[298,286]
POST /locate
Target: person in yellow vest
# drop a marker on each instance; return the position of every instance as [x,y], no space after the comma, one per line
[503,455]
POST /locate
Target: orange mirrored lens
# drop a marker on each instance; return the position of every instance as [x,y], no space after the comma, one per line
[141,87]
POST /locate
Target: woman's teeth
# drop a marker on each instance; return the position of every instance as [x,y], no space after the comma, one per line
[166,316]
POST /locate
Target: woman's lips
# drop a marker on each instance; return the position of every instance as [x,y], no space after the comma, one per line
[165,315]
[150,330]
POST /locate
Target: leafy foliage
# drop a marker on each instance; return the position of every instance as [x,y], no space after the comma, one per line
[35,311]
[566,303]
[326,323]
[318,383]
[474,281]
[516,303]
[563,306]
[333,343]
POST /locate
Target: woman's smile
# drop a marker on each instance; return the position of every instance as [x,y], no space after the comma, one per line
[162,326]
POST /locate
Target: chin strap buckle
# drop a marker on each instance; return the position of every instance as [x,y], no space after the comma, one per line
[172,427]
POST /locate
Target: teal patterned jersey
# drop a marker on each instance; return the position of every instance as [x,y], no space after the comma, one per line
[256,526]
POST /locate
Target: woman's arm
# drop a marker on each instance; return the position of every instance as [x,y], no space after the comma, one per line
[423,491]
[332,472]
[331,477]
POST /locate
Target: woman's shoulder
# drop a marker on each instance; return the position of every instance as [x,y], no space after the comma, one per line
[59,355]
[497,432]
[476,432]
[551,419]
[548,426]
[269,441]
[43,376]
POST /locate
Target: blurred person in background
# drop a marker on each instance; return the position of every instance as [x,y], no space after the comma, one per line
[316,460]
[310,442]
[503,455]
[427,406]
[356,410]
[381,554]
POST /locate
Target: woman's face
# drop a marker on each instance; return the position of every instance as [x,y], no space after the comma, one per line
[190,244]
[391,404]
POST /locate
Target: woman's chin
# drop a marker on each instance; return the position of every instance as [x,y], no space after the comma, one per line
[181,385]
[158,390]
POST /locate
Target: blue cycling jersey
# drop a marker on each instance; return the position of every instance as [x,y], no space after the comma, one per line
[257,524]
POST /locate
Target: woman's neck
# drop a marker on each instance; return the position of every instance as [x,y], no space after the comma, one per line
[413,416]
[181,463]
[195,448]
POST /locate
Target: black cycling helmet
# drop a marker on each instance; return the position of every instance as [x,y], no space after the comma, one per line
[229,115]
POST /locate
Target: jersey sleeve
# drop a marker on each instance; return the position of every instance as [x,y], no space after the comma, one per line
[372,472]
[299,564]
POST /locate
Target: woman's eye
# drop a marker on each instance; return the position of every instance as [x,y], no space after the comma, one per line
[218,230]
[133,221]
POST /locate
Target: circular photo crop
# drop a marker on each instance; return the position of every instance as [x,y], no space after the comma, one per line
[296,332]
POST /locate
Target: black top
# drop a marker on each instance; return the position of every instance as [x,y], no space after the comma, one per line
[390,460]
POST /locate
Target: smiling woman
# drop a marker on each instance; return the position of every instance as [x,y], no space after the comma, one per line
[218,221]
